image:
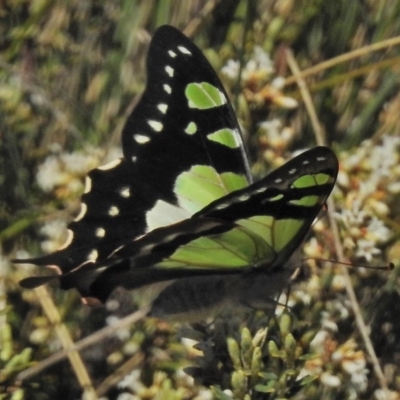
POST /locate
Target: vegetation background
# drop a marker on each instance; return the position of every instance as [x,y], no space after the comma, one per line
[70,73]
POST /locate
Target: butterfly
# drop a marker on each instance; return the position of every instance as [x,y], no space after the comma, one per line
[181,205]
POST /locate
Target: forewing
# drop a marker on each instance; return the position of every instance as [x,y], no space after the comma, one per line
[182,150]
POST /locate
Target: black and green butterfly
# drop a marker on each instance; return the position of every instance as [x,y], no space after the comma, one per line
[180,205]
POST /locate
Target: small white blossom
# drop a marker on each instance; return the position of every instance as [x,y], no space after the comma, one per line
[49,174]
[132,381]
[55,232]
[328,323]
[231,69]
[381,394]
[122,334]
[366,249]
[260,62]
[317,345]
[278,82]
[330,380]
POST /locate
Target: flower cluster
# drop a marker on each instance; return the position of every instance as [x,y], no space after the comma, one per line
[62,174]
[367,179]
[260,87]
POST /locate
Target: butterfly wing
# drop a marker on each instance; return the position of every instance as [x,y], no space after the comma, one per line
[182,149]
[253,229]
[194,299]
[282,206]
[178,204]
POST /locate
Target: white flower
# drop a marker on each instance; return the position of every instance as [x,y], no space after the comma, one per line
[367,249]
[231,69]
[122,334]
[132,381]
[260,62]
[55,231]
[330,380]
[49,174]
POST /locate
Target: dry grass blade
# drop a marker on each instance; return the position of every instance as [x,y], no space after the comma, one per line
[62,333]
[305,94]
[195,22]
[344,58]
[331,211]
[82,344]
[351,74]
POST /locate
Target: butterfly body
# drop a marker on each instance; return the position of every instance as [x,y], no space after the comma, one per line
[180,205]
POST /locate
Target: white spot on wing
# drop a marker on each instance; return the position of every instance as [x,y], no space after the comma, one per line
[169,70]
[100,232]
[244,197]
[261,190]
[170,238]
[163,107]
[125,192]
[222,206]
[133,158]
[113,211]
[110,165]
[141,139]
[82,212]
[321,158]
[92,256]
[147,249]
[292,171]
[167,88]
[184,50]
[68,241]
[163,214]
[278,180]
[156,125]
[171,53]
[306,162]
[88,185]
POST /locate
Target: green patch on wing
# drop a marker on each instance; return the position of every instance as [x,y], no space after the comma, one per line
[306,181]
[191,129]
[306,201]
[311,180]
[202,184]
[226,137]
[237,248]
[204,95]
[278,233]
